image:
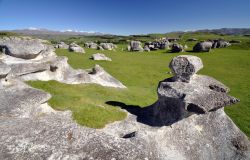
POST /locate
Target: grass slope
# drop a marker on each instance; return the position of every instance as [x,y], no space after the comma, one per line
[141,72]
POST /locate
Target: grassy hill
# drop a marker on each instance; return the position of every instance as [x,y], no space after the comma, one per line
[141,72]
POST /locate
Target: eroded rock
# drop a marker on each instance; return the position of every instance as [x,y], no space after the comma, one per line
[100,57]
[203,46]
[73,47]
[21,47]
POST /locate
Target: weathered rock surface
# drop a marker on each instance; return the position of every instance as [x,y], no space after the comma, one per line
[136,46]
[185,66]
[203,46]
[91,45]
[146,48]
[220,44]
[4,70]
[62,45]
[21,47]
[162,44]
[108,46]
[100,57]
[177,48]
[73,47]
[187,121]
[47,66]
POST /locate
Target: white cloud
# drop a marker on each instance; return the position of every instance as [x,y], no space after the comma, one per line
[33,28]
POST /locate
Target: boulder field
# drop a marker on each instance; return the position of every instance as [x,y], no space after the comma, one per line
[186,122]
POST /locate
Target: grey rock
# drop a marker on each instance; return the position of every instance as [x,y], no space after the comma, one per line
[136,46]
[177,48]
[203,46]
[73,47]
[146,48]
[4,70]
[91,45]
[108,46]
[21,48]
[100,57]
[62,45]
[100,48]
[222,44]
[185,66]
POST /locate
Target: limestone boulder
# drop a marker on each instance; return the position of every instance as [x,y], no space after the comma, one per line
[177,48]
[73,47]
[203,46]
[136,46]
[21,48]
[100,57]
[62,45]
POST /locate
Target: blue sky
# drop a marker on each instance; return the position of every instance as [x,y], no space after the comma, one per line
[124,16]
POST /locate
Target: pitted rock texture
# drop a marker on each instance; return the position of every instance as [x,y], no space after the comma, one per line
[184,67]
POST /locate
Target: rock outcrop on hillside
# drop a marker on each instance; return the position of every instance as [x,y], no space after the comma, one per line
[187,121]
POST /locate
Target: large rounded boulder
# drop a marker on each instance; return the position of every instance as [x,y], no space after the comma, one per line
[136,46]
[203,46]
[177,48]
[21,47]
[73,47]
[185,66]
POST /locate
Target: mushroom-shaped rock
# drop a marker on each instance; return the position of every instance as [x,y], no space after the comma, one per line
[186,93]
[21,48]
[185,66]
[4,70]
[177,48]
[203,46]
[73,47]
[100,57]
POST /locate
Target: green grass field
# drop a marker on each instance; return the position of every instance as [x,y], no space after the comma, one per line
[141,72]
